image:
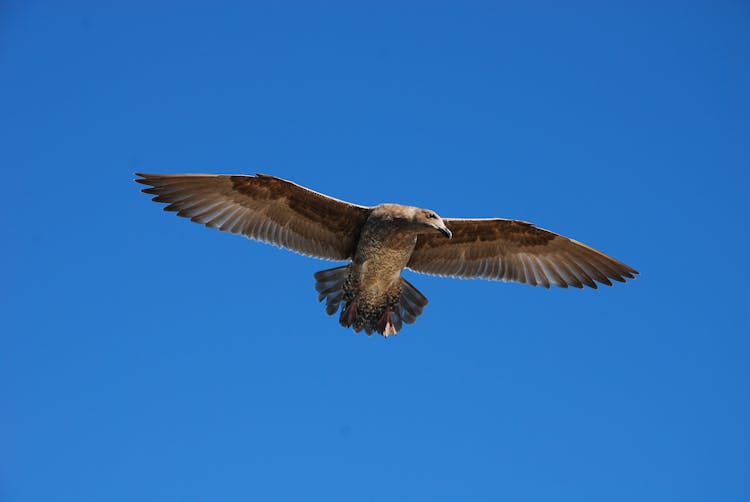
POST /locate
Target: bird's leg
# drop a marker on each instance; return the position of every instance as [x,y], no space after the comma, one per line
[349,316]
[385,326]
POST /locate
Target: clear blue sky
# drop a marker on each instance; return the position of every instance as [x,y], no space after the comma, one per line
[147,358]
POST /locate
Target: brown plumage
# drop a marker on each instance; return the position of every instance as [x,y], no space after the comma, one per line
[379,242]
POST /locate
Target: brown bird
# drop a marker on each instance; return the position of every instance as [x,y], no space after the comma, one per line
[379,242]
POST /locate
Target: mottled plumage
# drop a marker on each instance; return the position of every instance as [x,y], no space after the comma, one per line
[379,242]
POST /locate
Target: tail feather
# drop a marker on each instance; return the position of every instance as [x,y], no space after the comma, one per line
[333,302]
[330,287]
[331,273]
[329,284]
[412,302]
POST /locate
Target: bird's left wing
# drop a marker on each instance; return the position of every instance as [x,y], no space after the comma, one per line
[264,208]
[511,250]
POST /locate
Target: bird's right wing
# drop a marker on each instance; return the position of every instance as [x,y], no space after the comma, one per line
[511,250]
[264,208]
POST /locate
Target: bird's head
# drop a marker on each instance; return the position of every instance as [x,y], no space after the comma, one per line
[412,219]
[425,218]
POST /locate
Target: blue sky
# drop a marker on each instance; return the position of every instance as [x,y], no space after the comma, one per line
[148,358]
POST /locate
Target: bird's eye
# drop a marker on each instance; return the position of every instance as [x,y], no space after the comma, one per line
[431,215]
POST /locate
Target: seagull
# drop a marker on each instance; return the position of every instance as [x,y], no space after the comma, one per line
[379,242]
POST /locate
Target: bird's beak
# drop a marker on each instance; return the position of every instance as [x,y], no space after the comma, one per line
[444,230]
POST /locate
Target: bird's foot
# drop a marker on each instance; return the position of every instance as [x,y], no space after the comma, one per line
[385,326]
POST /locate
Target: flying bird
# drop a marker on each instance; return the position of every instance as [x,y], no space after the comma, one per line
[379,242]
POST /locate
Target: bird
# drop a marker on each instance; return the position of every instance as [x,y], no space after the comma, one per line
[379,242]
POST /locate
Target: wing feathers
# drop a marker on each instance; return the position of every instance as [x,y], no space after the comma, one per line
[542,278]
[511,250]
[263,208]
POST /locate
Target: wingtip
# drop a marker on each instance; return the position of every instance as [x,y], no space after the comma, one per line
[142,178]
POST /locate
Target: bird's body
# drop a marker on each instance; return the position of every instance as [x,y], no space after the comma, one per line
[379,242]
[372,289]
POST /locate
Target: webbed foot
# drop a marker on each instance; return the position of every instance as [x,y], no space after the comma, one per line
[385,326]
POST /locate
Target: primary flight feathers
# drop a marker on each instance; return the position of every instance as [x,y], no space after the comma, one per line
[276,211]
[263,208]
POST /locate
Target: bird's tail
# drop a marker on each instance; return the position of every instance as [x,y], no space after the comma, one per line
[330,287]
[329,284]
[412,302]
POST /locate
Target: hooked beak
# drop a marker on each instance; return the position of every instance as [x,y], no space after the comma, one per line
[444,230]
